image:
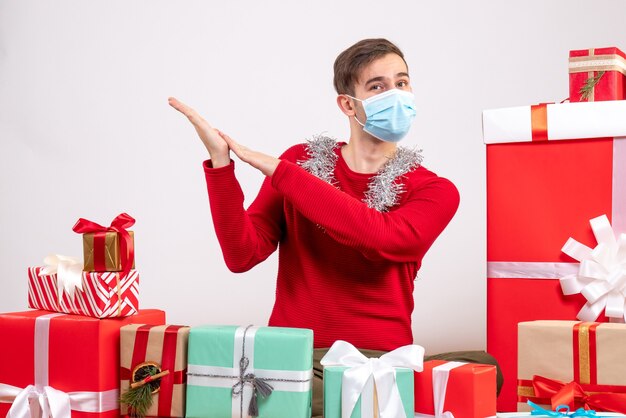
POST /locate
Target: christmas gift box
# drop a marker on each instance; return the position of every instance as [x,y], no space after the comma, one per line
[108,248]
[465,390]
[597,74]
[249,371]
[577,364]
[550,169]
[154,361]
[96,294]
[359,387]
[62,365]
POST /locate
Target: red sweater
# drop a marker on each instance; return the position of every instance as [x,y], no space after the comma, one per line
[344,270]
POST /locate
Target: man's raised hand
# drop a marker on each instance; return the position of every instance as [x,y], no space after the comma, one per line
[212,140]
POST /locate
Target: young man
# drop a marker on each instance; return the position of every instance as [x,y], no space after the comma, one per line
[352,221]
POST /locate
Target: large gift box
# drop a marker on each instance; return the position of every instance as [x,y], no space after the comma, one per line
[149,350]
[578,364]
[597,74]
[550,170]
[63,364]
[97,294]
[239,371]
[465,390]
[107,248]
[359,387]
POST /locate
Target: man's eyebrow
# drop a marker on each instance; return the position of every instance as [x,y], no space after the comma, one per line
[381,78]
[371,80]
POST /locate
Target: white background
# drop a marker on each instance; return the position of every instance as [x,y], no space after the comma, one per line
[85,129]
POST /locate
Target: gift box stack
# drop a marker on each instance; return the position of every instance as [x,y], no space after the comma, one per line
[556,208]
[88,350]
[62,358]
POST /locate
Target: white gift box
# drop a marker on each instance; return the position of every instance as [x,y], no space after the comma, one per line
[564,121]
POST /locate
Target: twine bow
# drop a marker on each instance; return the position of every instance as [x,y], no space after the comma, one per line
[259,386]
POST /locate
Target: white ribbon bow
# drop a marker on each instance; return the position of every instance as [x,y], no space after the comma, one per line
[69,271]
[601,277]
[48,402]
[31,401]
[382,370]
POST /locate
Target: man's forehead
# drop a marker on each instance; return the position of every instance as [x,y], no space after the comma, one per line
[390,65]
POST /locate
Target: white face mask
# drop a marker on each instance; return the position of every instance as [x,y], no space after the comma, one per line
[389,114]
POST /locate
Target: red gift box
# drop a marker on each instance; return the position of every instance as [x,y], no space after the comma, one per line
[540,193]
[603,68]
[52,355]
[470,391]
[103,295]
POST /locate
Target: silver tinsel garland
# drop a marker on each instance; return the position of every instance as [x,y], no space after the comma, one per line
[383,190]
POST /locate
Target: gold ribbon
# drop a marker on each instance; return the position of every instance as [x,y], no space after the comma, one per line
[584,359]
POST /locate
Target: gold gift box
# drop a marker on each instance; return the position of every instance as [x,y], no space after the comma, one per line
[112,255]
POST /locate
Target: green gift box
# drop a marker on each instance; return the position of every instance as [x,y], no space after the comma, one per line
[230,369]
[359,387]
[333,376]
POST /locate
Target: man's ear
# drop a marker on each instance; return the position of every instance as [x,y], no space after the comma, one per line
[346,105]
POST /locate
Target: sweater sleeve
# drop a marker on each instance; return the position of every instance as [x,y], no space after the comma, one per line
[246,237]
[401,235]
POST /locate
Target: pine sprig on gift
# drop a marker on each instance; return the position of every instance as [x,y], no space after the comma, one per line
[139,399]
[586,90]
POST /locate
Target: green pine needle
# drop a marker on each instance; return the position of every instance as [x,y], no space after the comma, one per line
[587,88]
[139,399]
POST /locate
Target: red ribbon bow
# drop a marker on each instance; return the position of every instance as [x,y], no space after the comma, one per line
[573,395]
[119,225]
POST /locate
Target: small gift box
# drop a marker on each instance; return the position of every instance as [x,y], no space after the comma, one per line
[359,387]
[148,351]
[67,365]
[550,169]
[465,390]
[70,290]
[578,364]
[597,74]
[107,248]
[249,371]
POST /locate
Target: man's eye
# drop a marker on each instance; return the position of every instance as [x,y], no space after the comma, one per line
[376,87]
[402,83]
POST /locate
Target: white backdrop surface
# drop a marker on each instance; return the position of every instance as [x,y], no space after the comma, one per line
[85,129]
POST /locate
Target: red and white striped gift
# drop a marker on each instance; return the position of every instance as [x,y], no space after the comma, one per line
[103,294]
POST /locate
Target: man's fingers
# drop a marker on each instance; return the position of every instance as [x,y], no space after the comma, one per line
[181,107]
[238,149]
[191,114]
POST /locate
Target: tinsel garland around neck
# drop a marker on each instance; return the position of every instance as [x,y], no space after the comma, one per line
[383,191]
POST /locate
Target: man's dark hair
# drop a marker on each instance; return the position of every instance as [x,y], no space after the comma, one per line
[350,62]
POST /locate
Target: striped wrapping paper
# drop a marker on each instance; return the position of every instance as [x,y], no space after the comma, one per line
[103,295]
